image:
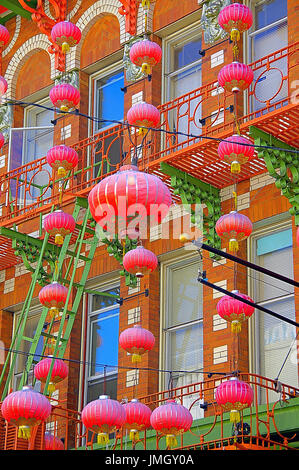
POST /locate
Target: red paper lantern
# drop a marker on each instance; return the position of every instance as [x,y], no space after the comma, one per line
[138,418]
[2,140]
[3,86]
[171,419]
[145,54]
[66,35]
[59,224]
[103,416]
[235,19]
[143,115]
[53,296]
[64,96]
[140,261]
[62,158]
[234,395]
[235,77]
[59,372]
[233,227]
[4,36]
[25,408]
[127,193]
[52,443]
[235,311]
[136,341]
[236,150]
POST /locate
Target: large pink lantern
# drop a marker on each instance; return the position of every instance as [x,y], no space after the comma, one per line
[66,35]
[59,372]
[144,116]
[140,261]
[235,19]
[145,54]
[53,296]
[62,158]
[25,408]
[233,227]
[128,193]
[138,418]
[103,416]
[171,419]
[52,442]
[236,150]
[235,77]
[136,341]
[3,86]
[235,311]
[64,96]
[4,36]
[59,224]
[234,395]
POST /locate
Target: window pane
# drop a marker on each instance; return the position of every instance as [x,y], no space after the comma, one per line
[104,342]
[110,99]
[101,301]
[95,389]
[186,348]
[187,53]
[270,11]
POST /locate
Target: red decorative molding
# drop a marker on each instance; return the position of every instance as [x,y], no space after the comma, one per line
[45,25]
[129,9]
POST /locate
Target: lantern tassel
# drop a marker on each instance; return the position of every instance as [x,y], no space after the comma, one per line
[134,435]
[233,245]
[51,388]
[65,47]
[103,438]
[136,358]
[236,326]
[53,312]
[234,416]
[235,35]
[24,432]
[171,441]
[58,239]
[235,167]
[61,172]
[146,68]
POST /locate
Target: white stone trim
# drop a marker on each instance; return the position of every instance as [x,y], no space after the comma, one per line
[14,38]
[216,293]
[220,354]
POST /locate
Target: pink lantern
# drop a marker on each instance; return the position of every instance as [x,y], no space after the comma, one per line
[103,416]
[143,115]
[233,227]
[52,443]
[234,311]
[138,418]
[25,408]
[4,36]
[3,86]
[2,140]
[53,296]
[136,341]
[234,395]
[66,35]
[59,224]
[235,77]
[62,158]
[64,96]
[145,54]
[126,193]
[236,150]
[171,419]
[235,19]
[59,372]
[140,261]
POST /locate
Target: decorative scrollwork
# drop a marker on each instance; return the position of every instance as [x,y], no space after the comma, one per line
[209,20]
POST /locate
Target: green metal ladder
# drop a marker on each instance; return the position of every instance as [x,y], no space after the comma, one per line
[47,251]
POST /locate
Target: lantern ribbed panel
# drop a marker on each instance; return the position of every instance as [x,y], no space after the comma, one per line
[143,115]
[126,191]
[59,222]
[66,32]
[3,86]
[145,51]
[64,94]
[138,415]
[235,77]
[53,295]
[228,307]
[233,225]
[171,418]
[2,140]
[59,372]
[26,406]
[235,16]
[62,155]
[234,395]
[136,340]
[140,260]
[4,35]
[103,415]
[52,443]
[233,149]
